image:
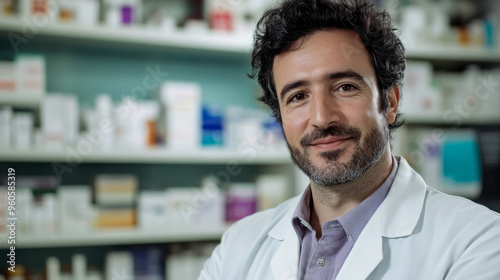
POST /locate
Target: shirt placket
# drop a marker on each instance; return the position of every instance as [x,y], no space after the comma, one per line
[322,263]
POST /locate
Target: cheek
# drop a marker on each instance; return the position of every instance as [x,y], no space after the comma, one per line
[364,116]
[360,115]
[294,125]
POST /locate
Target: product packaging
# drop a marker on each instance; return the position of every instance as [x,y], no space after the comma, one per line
[241,201]
[182,103]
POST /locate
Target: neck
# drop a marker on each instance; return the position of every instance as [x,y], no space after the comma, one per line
[331,202]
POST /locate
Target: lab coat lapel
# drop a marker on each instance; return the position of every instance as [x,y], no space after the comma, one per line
[366,253]
[396,217]
[285,261]
[401,210]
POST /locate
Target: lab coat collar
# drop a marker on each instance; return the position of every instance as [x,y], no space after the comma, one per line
[285,261]
[403,205]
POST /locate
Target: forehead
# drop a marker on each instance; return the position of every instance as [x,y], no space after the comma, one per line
[323,51]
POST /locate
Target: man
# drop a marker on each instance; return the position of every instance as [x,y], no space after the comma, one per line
[331,73]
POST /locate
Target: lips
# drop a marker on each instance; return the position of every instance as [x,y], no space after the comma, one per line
[329,142]
[330,137]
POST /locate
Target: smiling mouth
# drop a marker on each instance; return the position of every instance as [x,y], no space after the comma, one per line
[329,142]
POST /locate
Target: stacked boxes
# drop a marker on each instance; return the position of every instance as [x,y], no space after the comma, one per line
[115,198]
[183,108]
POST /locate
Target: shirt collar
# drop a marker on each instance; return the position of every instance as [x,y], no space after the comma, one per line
[353,221]
[300,218]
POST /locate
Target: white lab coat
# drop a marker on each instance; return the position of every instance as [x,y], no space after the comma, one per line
[416,233]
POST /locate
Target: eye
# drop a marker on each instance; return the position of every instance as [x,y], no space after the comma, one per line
[347,88]
[297,97]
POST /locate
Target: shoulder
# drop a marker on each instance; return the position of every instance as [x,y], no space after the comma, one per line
[409,191]
[248,243]
[468,231]
[459,207]
[462,221]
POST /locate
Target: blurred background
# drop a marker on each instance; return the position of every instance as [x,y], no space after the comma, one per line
[135,138]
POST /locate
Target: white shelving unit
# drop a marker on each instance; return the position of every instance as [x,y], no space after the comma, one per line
[154,155]
[20,100]
[172,234]
[217,41]
[439,120]
[209,41]
[453,53]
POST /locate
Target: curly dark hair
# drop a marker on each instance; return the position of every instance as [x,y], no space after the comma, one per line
[281,27]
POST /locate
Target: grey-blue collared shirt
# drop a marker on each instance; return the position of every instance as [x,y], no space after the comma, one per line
[323,258]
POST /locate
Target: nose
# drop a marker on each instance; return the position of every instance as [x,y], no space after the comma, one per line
[324,110]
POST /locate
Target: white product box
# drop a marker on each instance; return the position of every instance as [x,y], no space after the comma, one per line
[79,267]
[94,275]
[132,122]
[25,211]
[421,97]
[181,94]
[152,210]
[7,77]
[245,127]
[5,126]
[103,114]
[22,130]
[119,265]
[70,117]
[74,208]
[182,103]
[52,122]
[53,268]
[211,202]
[45,215]
[181,206]
[477,93]
[115,190]
[59,118]
[271,191]
[87,12]
[182,265]
[30,73]
[183,128]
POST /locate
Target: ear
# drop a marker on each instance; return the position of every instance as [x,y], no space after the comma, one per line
[392,109]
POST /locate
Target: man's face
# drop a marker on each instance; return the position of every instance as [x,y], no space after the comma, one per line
[329,103]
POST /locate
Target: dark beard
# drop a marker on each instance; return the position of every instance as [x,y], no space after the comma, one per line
[335,173]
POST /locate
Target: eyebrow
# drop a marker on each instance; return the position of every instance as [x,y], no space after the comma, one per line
[329,76]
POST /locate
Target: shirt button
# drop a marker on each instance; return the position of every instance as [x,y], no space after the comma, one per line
[320,262]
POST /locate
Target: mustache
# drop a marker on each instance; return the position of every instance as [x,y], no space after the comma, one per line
[335,131]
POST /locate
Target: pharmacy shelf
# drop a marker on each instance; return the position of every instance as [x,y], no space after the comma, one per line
[119,237]
[20,100]
[440,120]
[454,53]
[249,155]
[214,41]
[209,41]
